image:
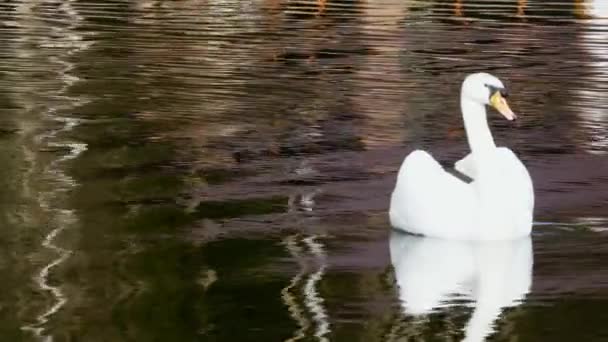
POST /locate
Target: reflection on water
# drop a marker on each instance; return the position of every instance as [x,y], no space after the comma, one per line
[305,285]
[592,106]
[289,297]
[433,273]
[220,170]
[313,301]
[46,182]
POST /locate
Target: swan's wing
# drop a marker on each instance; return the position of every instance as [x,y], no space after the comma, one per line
[466,166]
[428,200]
[519,181]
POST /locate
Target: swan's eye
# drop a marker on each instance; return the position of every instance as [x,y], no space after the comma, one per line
[493,90]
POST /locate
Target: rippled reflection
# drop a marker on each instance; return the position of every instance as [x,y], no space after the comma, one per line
[46,100]
[435,274]
[305,285]
[592,105]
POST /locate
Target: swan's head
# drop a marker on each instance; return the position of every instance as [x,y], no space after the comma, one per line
[486,89]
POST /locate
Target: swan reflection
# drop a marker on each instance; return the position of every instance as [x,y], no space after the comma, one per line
[431,273]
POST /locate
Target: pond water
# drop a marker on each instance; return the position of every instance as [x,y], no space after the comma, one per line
[220,170]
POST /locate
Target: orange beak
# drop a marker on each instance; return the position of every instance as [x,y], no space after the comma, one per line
[500,104]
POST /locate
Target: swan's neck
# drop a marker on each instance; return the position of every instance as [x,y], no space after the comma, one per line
[476,125]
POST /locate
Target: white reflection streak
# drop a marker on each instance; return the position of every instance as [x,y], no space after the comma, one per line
[595,224]
[62,218]
[288,297]
[312,299]
[42,281]
[592,113]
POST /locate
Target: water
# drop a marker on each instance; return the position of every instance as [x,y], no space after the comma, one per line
[221,170]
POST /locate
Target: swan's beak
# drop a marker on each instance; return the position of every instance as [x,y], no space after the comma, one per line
[500,104]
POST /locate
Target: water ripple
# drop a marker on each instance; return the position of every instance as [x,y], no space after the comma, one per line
[69,42]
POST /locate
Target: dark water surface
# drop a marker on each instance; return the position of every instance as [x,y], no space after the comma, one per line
[220,170]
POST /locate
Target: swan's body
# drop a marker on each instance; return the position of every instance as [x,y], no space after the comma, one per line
[433,273]
[496,205]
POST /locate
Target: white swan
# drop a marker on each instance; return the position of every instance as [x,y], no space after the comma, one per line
[491,275]
[496,205]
